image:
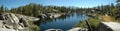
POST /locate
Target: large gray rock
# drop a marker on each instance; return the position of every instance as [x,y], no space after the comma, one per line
[5,29]
[54,30]
[15,22]
[27,17]
[109,26]
[1,24]
[78,29]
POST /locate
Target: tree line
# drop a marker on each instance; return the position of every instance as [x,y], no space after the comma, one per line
[111,9]
[33,9]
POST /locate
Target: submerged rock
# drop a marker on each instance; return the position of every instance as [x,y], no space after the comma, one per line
[15,22]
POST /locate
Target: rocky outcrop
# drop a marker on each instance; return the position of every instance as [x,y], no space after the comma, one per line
[15,22]
[109,26]
[54,30]
[73,29]
[51,15]
[78,29]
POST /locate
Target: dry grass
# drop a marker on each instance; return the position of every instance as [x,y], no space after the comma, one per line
[107,18]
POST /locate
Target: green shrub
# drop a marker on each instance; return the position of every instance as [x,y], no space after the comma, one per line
[33,27]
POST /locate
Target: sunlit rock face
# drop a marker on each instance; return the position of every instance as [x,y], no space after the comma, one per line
[54,30]
[73,29]
[15,22]
[109,26]
[51,15]
[78,29]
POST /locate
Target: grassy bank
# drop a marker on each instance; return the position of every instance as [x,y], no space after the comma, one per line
[94,22]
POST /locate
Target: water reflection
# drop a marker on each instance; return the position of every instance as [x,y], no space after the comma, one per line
[64,22]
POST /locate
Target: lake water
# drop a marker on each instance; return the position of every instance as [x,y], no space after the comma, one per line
[64,23]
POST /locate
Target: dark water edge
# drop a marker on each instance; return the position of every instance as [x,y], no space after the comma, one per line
[64,23]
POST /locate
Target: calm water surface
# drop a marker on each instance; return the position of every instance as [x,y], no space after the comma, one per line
[64,23]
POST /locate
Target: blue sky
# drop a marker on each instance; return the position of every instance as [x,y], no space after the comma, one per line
[76,3]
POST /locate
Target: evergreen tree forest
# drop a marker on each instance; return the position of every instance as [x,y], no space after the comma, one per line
[33,9]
